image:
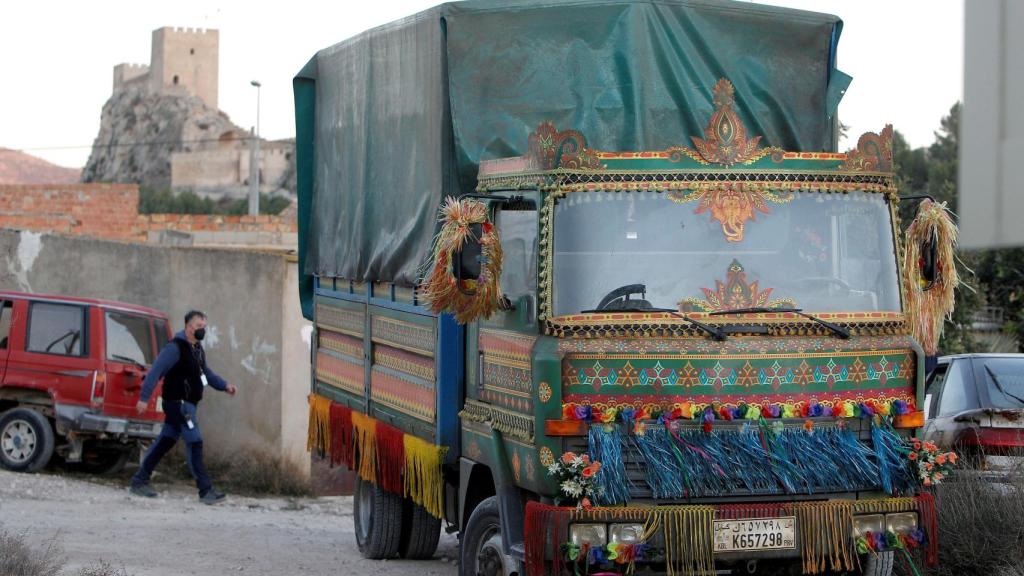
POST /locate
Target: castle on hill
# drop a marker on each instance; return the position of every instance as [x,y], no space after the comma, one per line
[185,62]
[182,61]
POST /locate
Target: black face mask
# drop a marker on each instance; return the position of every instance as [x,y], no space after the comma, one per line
[200,334]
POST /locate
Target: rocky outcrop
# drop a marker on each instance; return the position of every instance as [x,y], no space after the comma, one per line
[139,130]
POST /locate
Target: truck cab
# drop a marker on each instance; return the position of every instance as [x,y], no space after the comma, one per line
[71,371]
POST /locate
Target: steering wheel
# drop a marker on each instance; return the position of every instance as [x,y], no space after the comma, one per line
[618,299]
[828,280]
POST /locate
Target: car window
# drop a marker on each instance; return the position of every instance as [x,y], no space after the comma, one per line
[128,339]
[160,326]
[957,394]
[518,236]
[5,323]
[56,329]
[935,380]
[1004,379]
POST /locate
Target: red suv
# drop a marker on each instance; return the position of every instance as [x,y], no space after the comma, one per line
[71,370]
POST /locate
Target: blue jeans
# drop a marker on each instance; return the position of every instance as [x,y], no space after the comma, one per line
[176,417]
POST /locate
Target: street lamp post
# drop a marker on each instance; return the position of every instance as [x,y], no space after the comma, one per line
[254,156]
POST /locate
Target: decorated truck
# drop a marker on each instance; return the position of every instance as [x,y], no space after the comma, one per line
[593,288]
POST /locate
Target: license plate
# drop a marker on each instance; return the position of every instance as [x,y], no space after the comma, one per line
[755,534]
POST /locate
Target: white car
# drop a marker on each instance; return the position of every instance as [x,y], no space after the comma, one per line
[974,404]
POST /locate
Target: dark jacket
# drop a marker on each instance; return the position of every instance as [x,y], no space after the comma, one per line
[180,365]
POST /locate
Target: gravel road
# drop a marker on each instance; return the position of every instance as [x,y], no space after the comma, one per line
[175,535]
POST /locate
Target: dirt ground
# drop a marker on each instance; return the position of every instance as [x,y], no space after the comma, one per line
[175,535]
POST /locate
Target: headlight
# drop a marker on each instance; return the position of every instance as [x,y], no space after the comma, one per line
[593,534]
[870,523]
[902,523]
[626,533]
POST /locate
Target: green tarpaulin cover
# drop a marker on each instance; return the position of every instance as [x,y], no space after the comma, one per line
[392,120]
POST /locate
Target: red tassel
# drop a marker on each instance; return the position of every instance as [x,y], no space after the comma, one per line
[534,539]
[390,458]
[342,448]
[930,523]
[545,527]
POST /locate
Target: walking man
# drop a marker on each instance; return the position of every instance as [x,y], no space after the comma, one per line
[182,365]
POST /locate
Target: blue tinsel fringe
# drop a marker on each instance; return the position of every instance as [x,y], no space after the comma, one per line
[606,448]
[691,463]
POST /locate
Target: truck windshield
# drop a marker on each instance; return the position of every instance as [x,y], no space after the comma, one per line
[702,253]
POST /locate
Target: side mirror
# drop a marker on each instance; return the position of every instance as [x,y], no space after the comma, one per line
[928,264]
[466,265]
[466,261]
[929,272]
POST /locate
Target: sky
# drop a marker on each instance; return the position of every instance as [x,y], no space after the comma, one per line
[57,59]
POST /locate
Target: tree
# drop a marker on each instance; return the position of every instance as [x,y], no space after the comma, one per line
[933,171]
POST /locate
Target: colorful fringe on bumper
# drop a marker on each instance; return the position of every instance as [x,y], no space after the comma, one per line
[380,453]
[679,464]
[683,534]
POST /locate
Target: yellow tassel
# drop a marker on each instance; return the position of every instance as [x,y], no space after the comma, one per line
[928,306]
[365,431]
[319,432]
[686,531]
[826,533]
[424,480]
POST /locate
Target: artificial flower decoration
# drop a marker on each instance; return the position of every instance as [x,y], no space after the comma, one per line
[930,464]
[709,413]
[577,482]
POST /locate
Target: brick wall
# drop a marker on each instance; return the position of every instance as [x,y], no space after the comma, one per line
[98,210]
[208,223]
[111,211]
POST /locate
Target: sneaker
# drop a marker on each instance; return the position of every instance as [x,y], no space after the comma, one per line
[212,497]
[144,490]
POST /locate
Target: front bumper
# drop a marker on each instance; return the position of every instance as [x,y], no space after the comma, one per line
[679,539]
[81,420]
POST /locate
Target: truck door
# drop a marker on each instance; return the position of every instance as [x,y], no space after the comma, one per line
[55,352]
[129,352]
[502,375]
[6,312]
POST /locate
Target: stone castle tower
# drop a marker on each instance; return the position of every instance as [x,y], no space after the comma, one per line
[182,61]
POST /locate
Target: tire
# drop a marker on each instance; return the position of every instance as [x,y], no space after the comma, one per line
[480,553]
[26,440]
[420,532]
[378,521]
[879,564]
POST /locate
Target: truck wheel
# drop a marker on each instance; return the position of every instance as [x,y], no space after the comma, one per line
[26,440]
[481,553]
[378,521]
[879,564]
[420,532]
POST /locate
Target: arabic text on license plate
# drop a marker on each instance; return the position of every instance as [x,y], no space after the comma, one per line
[755,534]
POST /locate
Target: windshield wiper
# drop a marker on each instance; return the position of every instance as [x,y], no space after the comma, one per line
[995,380]
[834,328]
[715,332]
[127,360]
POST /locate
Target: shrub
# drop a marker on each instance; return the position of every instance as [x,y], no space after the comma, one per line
[102,568]
[254,472]
[17,558]
[981,524]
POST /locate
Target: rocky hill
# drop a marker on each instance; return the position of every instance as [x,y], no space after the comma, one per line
[20,168]
[139,130]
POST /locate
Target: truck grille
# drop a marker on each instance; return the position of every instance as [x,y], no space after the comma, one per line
[740,461]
